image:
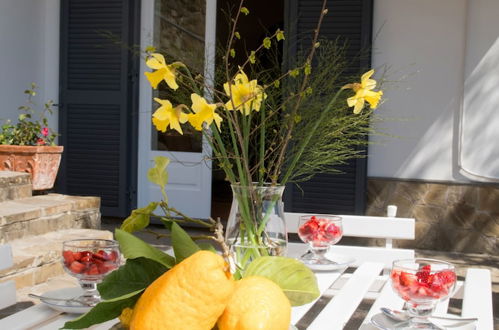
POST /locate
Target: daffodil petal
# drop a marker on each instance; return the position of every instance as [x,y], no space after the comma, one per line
[358,106]
[156,61]
[367,75]
[373,98]
[155,77]
[169,77]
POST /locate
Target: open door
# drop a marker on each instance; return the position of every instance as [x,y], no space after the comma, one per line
[182,29]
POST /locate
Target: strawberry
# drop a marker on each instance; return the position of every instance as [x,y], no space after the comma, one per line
[448,277]
[94,270]
[113,256]
[77,256]
[101,254]
[407,279]
[77,267]
[68,257]
[86,259]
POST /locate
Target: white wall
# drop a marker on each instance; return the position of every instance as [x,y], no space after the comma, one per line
[29,52]
[431,47]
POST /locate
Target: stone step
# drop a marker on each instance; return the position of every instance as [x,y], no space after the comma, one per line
[38,215]
[14,185]
[38,258]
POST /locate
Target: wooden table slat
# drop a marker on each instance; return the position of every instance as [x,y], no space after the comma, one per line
[477,300]
[344,304]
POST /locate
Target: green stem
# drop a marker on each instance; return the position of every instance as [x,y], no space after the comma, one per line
[304,143]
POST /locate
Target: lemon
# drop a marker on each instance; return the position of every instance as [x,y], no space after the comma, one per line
[192,295]
[256,304]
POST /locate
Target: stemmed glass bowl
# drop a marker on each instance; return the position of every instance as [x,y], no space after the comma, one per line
[320,232]
[90,260]
[422,283]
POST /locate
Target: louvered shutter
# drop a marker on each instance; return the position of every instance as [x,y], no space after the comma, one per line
[98,95]
[351,19]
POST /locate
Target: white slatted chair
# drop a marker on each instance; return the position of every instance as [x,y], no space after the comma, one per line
[8,288]
[387,228]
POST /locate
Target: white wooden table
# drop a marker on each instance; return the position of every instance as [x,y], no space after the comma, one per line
[366,284]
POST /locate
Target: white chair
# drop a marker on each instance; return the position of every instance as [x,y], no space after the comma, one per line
[8,288]
[387,228]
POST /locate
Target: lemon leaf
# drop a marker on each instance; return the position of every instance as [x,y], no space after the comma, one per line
[104,311]
[133,274]
[133,247]
[183,245]
[139,218]
[296,280]
[158,174]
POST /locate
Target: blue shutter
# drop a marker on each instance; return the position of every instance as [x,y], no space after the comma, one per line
[351,19]
[98,100]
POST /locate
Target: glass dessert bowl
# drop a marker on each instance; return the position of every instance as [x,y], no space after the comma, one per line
[320,232]
[422,283]
[90,260]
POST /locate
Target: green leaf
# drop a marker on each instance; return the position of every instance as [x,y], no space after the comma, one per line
[133,247]
[104,311]
[133,274]
[232,53]
[245,11]
[183,245]
[139,219]
[237,35]
[158,174]
[207,246]
[296,280]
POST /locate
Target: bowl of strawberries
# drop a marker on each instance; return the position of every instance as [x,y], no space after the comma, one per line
[320,232]
[90,260]
[422,283]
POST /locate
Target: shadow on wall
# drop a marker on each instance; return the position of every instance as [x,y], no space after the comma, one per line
[449,217]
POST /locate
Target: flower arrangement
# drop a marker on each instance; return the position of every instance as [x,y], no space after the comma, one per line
[31,128]
[267,130]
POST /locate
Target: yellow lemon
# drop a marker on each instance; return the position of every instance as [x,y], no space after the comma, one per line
[191,295]
[256,304]
[126,316]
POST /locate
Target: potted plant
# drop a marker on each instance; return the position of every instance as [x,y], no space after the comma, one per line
[29,145]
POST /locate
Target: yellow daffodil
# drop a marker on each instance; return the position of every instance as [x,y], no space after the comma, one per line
[364,92]
[245,95]
[166,116]
[203,113]
[163,71]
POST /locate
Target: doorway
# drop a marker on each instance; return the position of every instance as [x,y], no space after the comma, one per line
[265,17]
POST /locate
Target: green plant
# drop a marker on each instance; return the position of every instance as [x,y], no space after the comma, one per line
[32,127]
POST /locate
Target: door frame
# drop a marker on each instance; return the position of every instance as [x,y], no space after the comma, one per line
[145,154]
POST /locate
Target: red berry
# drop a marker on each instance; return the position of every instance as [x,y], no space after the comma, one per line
[77,255]
[102,255]
[68,257]
[113,256]
[77,267]
[407,279]
[94,270]
[86,259]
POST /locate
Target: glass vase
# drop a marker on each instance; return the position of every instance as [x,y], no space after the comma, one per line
[256,225]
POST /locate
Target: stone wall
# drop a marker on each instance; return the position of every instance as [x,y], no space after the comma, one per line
[449,217]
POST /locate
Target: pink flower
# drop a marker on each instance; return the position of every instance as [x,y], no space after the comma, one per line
[45,131]
[40,142]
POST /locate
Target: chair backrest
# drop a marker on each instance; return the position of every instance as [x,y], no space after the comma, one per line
[7,288]
[387,228]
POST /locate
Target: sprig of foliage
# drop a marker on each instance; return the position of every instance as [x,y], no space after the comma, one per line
[32,128]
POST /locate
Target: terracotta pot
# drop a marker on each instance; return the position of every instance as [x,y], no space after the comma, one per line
[42,162]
